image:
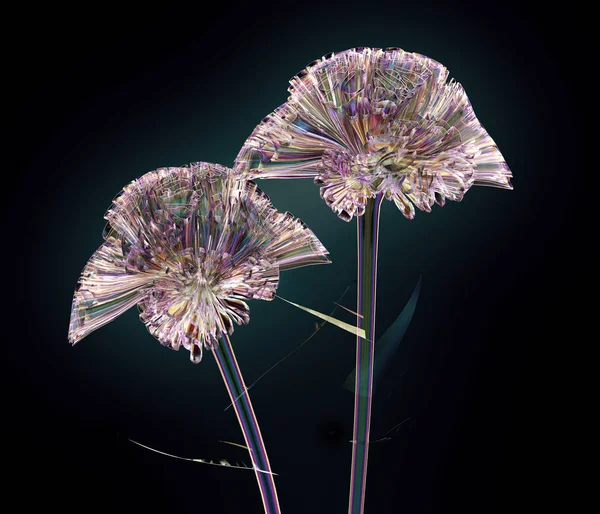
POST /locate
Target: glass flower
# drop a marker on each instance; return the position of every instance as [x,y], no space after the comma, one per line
[189,246]
[368,124]
[365,122]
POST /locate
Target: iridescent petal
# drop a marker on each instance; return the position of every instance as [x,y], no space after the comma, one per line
[190,245]
[369,121]
[105,290]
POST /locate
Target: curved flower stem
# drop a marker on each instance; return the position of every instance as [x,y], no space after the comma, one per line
[236,388]
[368,231]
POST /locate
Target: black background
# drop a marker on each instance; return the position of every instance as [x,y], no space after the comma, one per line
[104,95]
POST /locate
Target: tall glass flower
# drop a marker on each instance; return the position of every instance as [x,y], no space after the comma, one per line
[189,246]
[367,124]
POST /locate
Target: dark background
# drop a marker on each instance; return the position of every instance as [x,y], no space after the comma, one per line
[103,96]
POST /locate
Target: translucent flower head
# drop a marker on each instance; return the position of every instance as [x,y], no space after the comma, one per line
[368,121]
[189,245]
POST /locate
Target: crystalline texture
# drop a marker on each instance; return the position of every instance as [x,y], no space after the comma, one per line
[189,245]
[368,121]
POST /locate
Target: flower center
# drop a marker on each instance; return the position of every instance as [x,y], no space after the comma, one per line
[383,159]
[209,268]
[358,171]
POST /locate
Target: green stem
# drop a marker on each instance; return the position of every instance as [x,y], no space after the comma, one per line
[240,398]
[368,231]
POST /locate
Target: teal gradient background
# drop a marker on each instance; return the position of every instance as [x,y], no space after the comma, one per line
[104,102]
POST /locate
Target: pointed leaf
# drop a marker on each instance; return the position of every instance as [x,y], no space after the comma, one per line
[344,326]
[223,463]
[387,345]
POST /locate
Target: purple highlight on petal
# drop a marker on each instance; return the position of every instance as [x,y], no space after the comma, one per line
[368,121]
[189,246]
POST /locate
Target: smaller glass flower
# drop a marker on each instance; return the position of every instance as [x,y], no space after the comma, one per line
[189,245]
[367,121]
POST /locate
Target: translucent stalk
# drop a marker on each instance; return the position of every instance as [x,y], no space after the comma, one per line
[368,231]
[236,388]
